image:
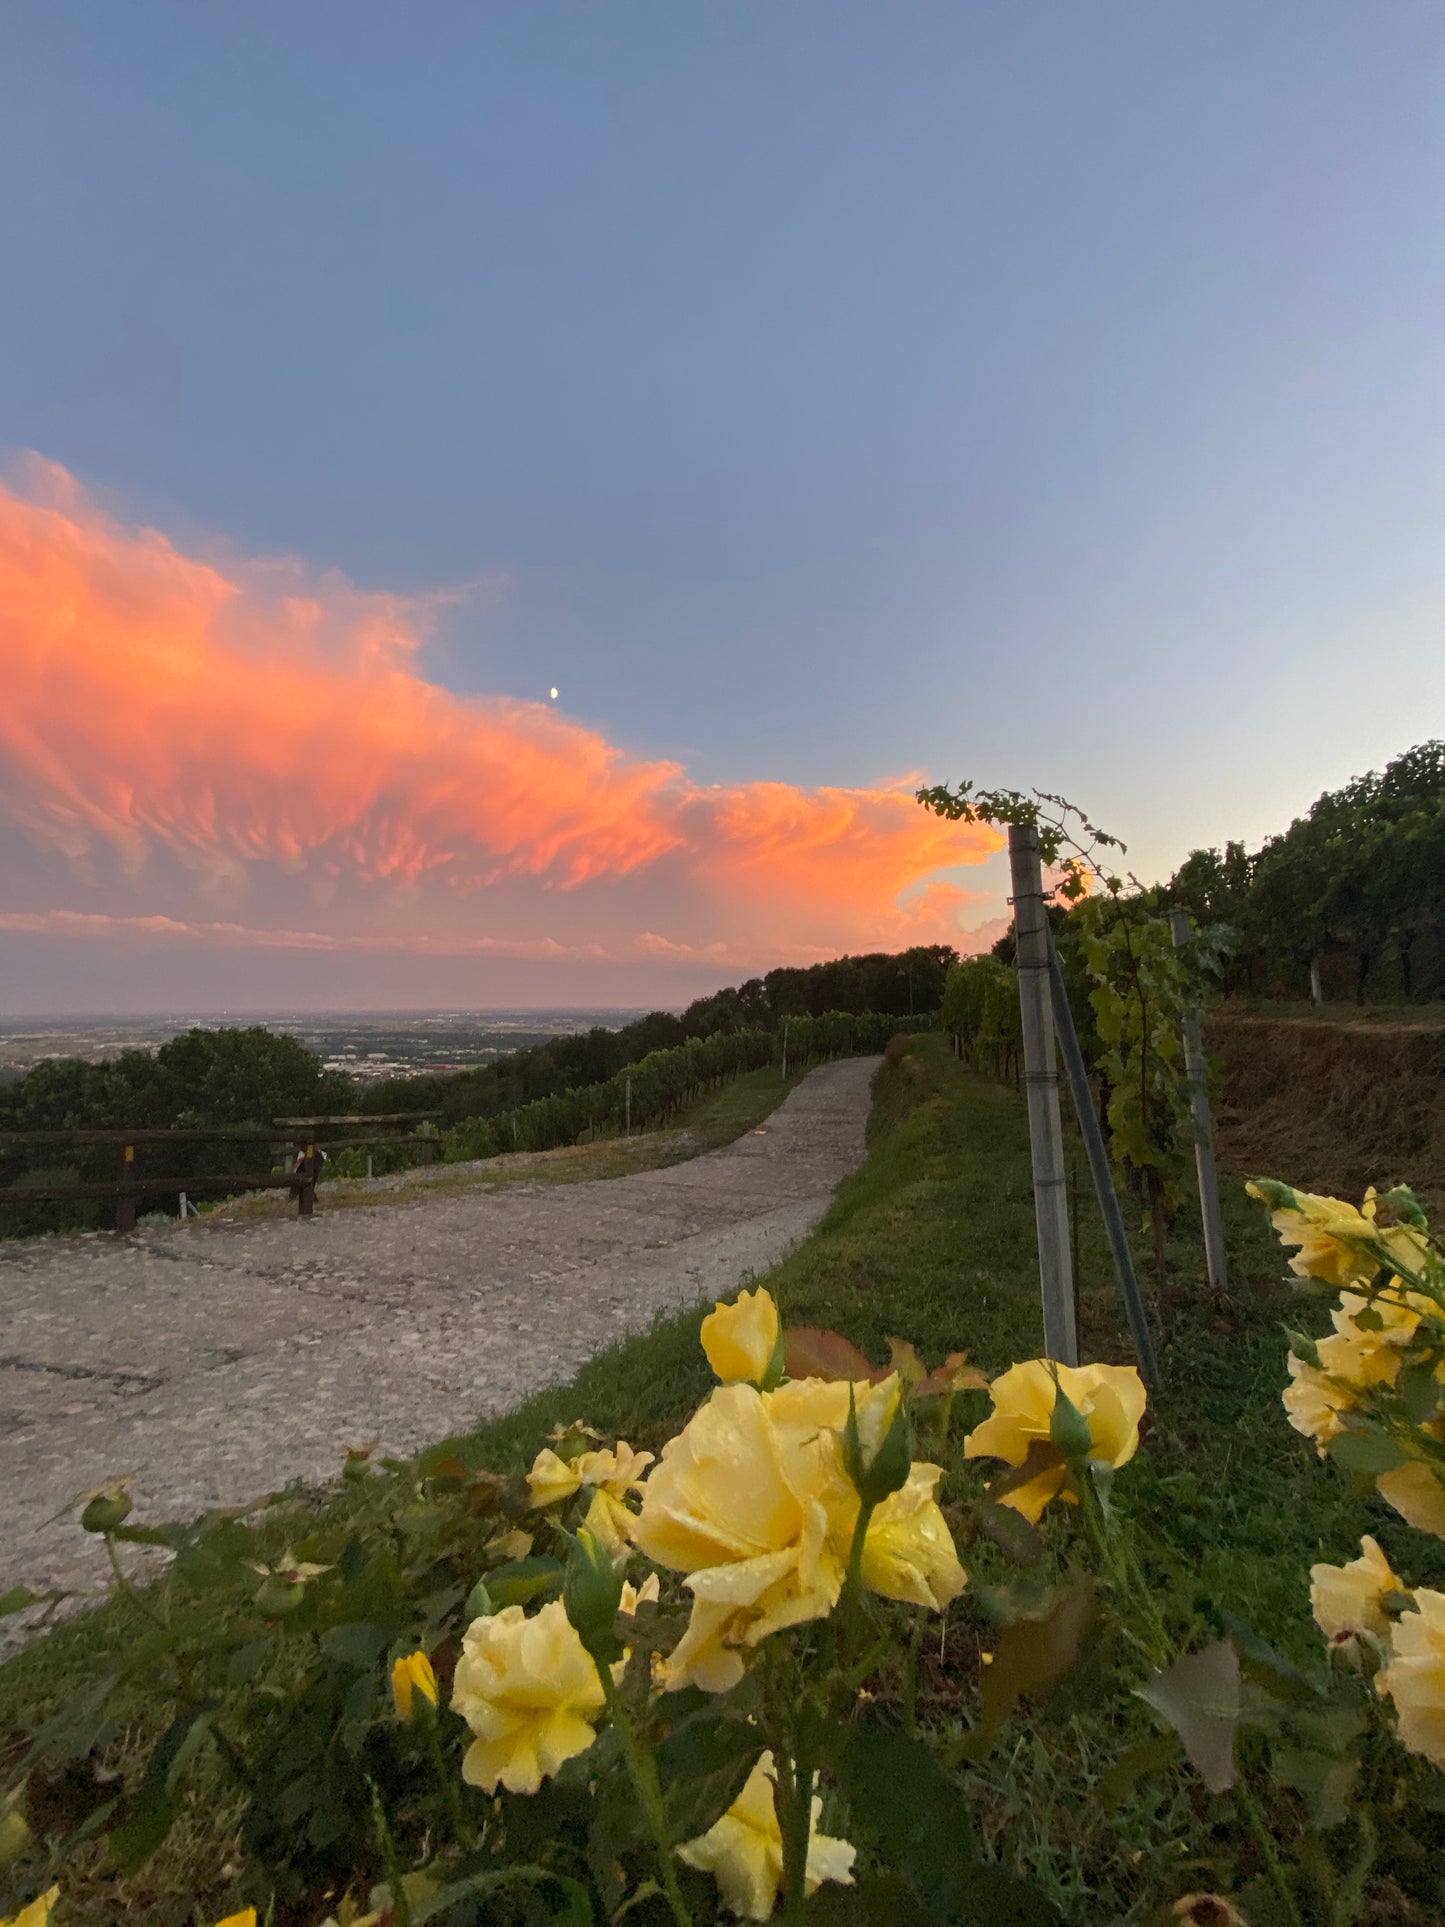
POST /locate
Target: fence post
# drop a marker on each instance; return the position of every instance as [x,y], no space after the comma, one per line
[627,1109]
[785,1050]
[1197,1072]
[1041,1082]
[125,1206]
[306,1195]
[1093,1136]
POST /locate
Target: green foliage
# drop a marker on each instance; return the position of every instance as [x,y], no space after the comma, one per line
[666,1080]
[981,1009]
[932,1235]
[1355,886]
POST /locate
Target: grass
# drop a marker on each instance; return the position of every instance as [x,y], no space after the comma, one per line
[708,1123]
[932,1239]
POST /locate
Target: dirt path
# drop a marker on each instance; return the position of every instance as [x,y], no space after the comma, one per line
[226,1359]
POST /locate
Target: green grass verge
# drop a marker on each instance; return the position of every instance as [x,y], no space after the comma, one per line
[932,1239]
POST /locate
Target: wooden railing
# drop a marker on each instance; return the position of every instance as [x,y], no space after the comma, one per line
[295,1138]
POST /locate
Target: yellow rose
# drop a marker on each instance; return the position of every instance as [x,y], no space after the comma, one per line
[412,1676]
[1349,1600]
[1314,1403]
[246,1918]
[1417,1493]
[741,1339]
[744,1850]
[1317,1225]
[39,1912]
[1359,1358]
[748,1501]
[909,1552]
[528,1690]
[553,1478]
[1109,1398]
[615,1472]
[611,1522]
[1415,1676]
[1400,1313]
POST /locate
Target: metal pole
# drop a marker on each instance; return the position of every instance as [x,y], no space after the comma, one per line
[1041,1082]
[627,1110]
[1196,1070]
[1078,1076]
[785,1052]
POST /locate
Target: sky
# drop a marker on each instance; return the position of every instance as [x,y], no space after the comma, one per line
[819,397]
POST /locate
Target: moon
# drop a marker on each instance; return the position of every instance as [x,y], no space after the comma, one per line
[553,694]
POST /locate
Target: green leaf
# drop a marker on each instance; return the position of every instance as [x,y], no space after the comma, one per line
[1367,1452]
[575,1911]
[1326,1780]
[913,1814]
[1127,1771]
[1280,1677]
[358,1644]
[1303,1347]
[1418,1390]
[17,1599]
[522,1580]
[133,1843]
[1035,1653]
[1199,1696]
[1011,1532]
[704,1764]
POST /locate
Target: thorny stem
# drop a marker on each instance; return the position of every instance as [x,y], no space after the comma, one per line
[466,1833]
[643,1769]
[793,1793]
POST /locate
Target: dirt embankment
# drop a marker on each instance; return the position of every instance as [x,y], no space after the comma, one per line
[1333,1106]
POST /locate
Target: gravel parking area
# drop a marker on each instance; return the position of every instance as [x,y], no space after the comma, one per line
[219,1361]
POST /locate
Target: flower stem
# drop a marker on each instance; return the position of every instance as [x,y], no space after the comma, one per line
[793,1793]
[451,1793]
[643,1768]
[1249,1806]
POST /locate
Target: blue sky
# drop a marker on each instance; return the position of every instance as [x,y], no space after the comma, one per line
[811,393]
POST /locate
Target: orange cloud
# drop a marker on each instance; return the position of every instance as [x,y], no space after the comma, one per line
[249,717]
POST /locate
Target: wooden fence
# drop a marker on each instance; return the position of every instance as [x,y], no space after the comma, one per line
[295,1139]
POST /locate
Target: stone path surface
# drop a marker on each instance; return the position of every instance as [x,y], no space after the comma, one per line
[223,1360]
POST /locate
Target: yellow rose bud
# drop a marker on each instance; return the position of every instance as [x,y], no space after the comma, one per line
[37,1913]
[107,1507]
[744,1850]
[530,1693]
[414,1687]
[741,1339]
[246,1918]
[1415,1676]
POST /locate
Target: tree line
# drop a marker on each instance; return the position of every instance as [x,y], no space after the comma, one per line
[251,1075]
[1348,902]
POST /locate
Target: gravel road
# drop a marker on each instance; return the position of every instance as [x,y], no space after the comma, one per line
[223,1360]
